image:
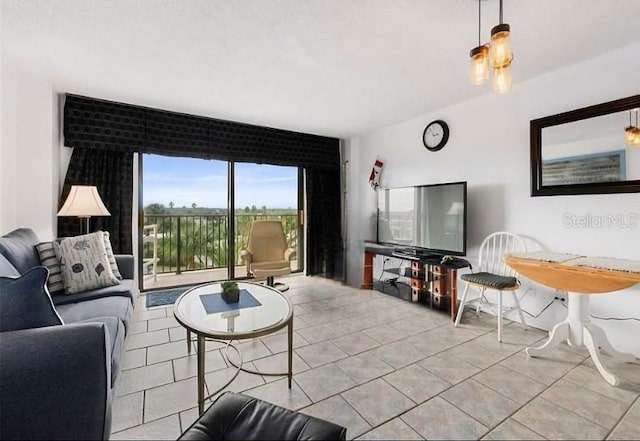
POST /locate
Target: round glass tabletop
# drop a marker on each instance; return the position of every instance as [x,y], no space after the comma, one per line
[260,310]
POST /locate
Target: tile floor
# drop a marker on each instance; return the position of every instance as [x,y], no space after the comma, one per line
[385,369]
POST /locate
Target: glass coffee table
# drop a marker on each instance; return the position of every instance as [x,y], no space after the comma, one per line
[260,311]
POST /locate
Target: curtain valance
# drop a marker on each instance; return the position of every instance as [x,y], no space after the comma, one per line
[105,125]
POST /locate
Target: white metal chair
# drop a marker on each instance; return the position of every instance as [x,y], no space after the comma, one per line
[150,264]
[494,274]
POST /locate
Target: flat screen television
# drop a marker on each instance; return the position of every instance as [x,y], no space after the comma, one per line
[425,219]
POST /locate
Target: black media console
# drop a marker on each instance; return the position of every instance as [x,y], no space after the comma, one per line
[432,279]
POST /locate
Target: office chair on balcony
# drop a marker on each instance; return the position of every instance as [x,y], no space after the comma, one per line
[494,274]
[267,254]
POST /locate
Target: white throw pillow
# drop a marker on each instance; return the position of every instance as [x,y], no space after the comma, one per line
[110,256]
[84,263]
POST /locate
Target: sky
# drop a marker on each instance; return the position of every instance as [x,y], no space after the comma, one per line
[185,181]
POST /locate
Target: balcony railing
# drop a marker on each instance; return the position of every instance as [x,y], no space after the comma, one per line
[192,242]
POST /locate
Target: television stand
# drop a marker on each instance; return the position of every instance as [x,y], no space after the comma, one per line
[431,281]
[414,254]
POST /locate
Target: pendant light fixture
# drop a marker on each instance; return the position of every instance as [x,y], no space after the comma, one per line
[497,54]
[500,55]
[632,133]
[479,56]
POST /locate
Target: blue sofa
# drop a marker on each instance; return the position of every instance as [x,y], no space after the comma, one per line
[56,381]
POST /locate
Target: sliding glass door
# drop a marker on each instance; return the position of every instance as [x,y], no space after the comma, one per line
[266,192]
[195,216]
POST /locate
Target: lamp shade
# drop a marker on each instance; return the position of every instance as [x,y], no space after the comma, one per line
[83,201]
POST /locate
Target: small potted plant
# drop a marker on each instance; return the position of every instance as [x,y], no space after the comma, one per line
[230,292]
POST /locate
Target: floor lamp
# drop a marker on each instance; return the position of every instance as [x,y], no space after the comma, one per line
[83,201]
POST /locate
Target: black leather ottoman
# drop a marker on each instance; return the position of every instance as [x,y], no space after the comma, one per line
[240,417]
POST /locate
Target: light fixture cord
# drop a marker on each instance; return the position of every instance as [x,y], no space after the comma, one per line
[501,12]
[479,20]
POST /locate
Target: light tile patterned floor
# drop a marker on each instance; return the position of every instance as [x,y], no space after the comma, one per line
[384,368]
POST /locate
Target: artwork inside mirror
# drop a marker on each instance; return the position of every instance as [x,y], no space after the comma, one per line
[585,151]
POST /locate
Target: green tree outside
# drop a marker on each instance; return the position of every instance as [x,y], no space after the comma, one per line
[203,238]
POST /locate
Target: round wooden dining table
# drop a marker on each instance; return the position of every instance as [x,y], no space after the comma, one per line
[581,277]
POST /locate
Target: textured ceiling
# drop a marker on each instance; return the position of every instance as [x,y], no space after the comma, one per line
[331,67]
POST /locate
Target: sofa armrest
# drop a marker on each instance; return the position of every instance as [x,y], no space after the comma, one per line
[125,265]
[55,383]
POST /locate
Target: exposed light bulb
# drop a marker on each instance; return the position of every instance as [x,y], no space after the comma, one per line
[500,49]
[632,135]
[479,64]
[502,79]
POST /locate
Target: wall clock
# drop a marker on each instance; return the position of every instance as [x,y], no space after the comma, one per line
[435,135]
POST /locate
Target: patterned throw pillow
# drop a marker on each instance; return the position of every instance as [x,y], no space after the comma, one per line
[49,260]
[110,256]
[84,263]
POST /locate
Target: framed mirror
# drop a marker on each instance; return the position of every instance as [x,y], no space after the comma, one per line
[585,151]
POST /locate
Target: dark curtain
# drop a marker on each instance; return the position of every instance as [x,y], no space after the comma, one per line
[324,245]
[112,173]
[92,125]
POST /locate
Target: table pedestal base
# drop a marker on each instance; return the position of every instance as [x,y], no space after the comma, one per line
[578,330]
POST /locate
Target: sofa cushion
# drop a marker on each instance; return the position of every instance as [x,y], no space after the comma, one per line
[6,269]
[25,302]
[124,289]
[114,306]
[491,280]
[84,263]
[49,259]
[18,247]
[115,328]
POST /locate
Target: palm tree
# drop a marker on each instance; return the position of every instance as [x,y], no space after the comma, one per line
[155,209]
[171,204]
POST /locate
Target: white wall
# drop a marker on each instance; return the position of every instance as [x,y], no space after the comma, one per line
[489,148]
[29,151]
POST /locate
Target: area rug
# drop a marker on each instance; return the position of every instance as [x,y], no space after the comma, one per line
[163,296]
